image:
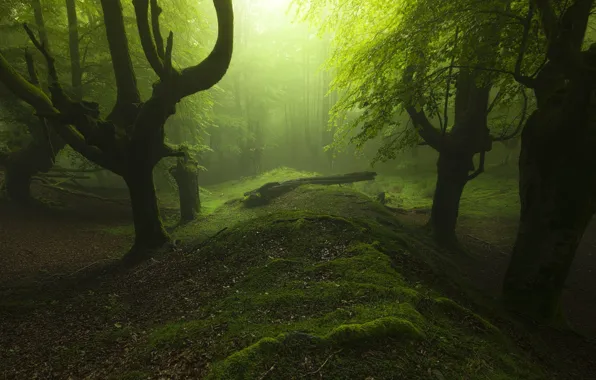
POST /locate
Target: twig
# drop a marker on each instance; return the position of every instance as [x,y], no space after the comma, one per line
[64,275]
[90,265]
[204,242]
[267,372]
[325,362]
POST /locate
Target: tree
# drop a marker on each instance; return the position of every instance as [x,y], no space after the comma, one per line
[440,62]
[39,155]
[557,162]
[130,141]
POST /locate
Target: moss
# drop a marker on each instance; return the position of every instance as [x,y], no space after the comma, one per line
[236,365]
[316,271]
[465,316]
[382,328]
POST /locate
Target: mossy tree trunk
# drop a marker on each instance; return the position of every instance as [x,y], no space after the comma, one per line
[557,165]
[186,175]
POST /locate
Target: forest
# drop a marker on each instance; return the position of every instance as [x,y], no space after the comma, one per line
[298,189]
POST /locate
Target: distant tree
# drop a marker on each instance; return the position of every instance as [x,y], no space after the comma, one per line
[131,140]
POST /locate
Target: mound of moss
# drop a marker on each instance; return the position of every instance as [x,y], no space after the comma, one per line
[331,292]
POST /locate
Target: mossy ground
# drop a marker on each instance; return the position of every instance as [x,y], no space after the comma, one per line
[321,283]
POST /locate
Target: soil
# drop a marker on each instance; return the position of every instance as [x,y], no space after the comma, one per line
[60,234]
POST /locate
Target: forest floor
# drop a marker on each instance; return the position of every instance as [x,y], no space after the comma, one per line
[69,234]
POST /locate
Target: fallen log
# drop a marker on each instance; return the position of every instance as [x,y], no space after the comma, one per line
[272,190]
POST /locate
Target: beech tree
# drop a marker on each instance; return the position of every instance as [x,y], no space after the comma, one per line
[130,140]
[441,64]
[557,160]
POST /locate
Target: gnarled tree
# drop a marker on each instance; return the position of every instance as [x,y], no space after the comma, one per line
[130,141]
[557,162]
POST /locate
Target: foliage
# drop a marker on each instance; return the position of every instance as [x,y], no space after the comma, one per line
[375,41]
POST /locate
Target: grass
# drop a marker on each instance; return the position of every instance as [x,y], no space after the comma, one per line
[492,194]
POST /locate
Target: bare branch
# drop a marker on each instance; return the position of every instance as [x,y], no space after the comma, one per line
[142,14]
[210,71]
[49,59]
[155,12]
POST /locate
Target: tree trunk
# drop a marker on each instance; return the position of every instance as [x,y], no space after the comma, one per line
[186,175]
[452,176]
[37,156]
[558,200]
[149,230]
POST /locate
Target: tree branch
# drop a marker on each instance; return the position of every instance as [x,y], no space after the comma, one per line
[24,90]
[425,128]
[52,74]
[126,82]
[207,73]
[155,12]
[33,96]
[142,14]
